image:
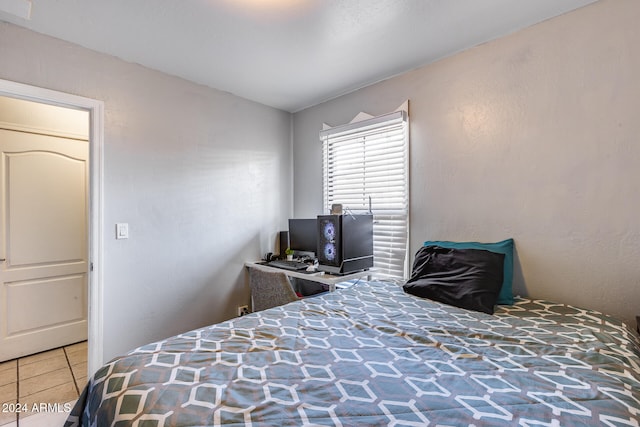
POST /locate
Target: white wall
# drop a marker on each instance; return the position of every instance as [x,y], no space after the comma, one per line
[201,176]
[533,136]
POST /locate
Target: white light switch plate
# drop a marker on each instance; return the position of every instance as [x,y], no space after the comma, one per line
[122,231]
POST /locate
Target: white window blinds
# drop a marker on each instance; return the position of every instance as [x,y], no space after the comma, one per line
[367,162]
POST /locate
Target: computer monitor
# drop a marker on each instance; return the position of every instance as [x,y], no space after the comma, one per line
[303,236]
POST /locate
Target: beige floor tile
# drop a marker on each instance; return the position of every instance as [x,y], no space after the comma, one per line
[77,353]
[8,395]
[44,382]
[44,378]
[80,346]
[81,383]
[35,358]
[60,395]
[10,364]
[79,370]
[41,367]
[9,392]
[8,376]
[8,372]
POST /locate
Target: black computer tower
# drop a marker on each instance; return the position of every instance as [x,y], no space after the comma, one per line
[283,243]
[345,243]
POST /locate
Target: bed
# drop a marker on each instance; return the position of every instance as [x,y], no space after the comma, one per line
[373,354]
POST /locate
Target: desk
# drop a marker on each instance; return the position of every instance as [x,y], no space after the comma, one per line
[321,277]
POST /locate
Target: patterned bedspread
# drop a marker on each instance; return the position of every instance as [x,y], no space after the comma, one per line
[372,355]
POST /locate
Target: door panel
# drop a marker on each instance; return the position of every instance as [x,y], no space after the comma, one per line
[29,308]
[43,240]
[46,217]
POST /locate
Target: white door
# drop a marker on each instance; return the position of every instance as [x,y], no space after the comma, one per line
[43,241]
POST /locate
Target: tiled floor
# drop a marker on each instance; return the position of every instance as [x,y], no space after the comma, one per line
[52,377]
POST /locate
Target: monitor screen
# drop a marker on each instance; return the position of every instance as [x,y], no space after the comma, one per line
[303,235]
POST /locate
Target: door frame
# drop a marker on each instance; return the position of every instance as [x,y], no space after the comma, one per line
[96,214]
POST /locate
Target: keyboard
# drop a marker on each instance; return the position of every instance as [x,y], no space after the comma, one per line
[288,265]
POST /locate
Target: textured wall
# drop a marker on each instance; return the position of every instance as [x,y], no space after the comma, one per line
[202,191]
[533,136]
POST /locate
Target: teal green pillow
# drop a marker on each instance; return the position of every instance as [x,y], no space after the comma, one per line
[505,297]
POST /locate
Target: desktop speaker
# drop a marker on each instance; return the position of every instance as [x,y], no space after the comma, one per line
[345,243]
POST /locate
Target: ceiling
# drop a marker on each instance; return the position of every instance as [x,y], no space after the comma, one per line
[288,54]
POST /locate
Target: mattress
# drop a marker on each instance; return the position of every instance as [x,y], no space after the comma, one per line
[374,355]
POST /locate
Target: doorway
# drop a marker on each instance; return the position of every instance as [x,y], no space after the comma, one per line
[44,167]
[95,206]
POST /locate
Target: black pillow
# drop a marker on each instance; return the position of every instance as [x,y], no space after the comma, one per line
[465,278]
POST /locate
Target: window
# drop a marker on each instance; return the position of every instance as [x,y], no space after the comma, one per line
[366,166]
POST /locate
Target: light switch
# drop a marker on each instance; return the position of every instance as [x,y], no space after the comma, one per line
[122,231]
